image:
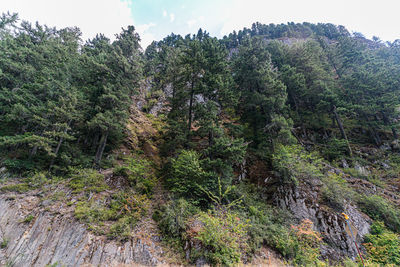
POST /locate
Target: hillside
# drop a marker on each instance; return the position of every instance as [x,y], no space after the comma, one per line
[250,149]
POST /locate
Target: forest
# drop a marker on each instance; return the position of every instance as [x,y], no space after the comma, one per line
[238,121]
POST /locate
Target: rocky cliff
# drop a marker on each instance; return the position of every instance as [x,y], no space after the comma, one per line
[38,236]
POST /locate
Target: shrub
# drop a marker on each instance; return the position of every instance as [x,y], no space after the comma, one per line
[308,242]
[382,245]
[4,242]
[380,209]
[335,149]
[28,218]
[335,191]
[139,174]
[292,164]
[172,218]
[20,188]
[223,236]
[188,179]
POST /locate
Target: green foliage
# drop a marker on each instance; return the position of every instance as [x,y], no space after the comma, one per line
[123,210]
[336,192]
[335,149]
[223,236]
[20,188]
[28,218]
[87,180]
[139,173]
[382,245]
[173,217]
[380,209]
[4,242]
[293,164]
[187,177]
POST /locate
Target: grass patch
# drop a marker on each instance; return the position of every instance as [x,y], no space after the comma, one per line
[28,218]
[87,180]
[121,212]
[4,242]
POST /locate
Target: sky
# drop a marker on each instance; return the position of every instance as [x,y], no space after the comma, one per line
[155,19]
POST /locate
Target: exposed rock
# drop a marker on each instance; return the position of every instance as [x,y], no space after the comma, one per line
[59,239]
[395,145]
[302,202]
[361,169]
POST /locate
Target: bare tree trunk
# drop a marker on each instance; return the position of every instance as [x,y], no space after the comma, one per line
[341,128]
[59,145]
[190,111]
[100,149]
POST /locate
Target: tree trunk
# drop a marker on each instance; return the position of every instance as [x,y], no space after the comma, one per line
[100,149]
[190,111]
[59,145]
[341,128]
[95,141]
[56,152]
[33,151]
[395,135]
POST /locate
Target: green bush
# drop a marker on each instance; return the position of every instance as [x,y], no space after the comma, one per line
[336,191]
[380,209]
[20,188]
[335,149]
[28,218]
[172,218]
[223,236]
[188,179]
[382,245]
[139,174]
[292,164]
[4,242]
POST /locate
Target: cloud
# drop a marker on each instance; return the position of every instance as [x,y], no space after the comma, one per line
[171,17]
[164,13]
[146,36]
[91,16]
[191,22]
[367,16]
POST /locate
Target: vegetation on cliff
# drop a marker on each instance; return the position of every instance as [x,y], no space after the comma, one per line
[228,122]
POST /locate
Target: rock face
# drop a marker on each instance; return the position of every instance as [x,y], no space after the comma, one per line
[302,202]
[62,241]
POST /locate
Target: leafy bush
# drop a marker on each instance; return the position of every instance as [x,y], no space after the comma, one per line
[188,179]
[380,209]
[172,218]
[28,218]
[4,242]
[139,174]
[382,245]
[292,164]
[307,244]
[223,236]
[335,149]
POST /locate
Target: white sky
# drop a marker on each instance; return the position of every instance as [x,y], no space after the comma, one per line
[380,18]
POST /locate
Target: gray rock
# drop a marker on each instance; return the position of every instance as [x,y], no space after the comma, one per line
[302,202]
[50,239]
